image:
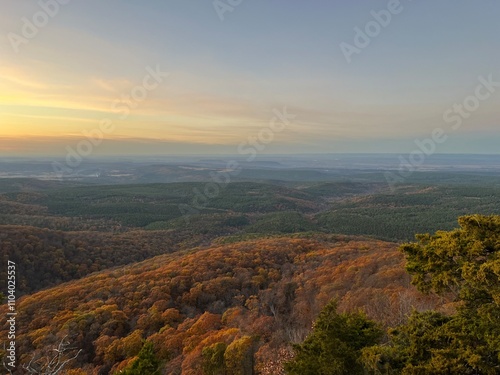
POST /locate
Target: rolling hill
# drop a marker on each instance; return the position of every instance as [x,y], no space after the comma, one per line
[257,296]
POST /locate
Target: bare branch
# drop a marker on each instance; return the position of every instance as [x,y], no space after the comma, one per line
[52,364]
[9,370]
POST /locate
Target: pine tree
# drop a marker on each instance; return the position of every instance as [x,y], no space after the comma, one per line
[334,346]
[146,363]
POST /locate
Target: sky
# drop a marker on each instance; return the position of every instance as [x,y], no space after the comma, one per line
[169,77]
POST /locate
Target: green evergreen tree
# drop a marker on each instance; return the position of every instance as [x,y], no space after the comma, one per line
[146,363]
[334,347]
[465,262]
[415,348]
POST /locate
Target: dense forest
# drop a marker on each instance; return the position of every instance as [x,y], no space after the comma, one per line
[46,257]
[462,264]
[266,278]
[249,307]
[251,208]
[261,294]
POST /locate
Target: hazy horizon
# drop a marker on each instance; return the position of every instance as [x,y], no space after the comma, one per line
[262,156]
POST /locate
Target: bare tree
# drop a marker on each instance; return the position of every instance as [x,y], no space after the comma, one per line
[53,363]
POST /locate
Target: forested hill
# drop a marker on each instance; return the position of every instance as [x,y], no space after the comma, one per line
[250,298]
[46,257]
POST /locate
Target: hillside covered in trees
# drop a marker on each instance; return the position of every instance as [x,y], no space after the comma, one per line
[462,264]
[287,305]
[252,298]
[46,257]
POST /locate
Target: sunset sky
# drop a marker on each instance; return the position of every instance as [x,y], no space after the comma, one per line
[227,76]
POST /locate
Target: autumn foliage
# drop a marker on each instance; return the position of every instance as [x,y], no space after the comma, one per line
[228,309]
